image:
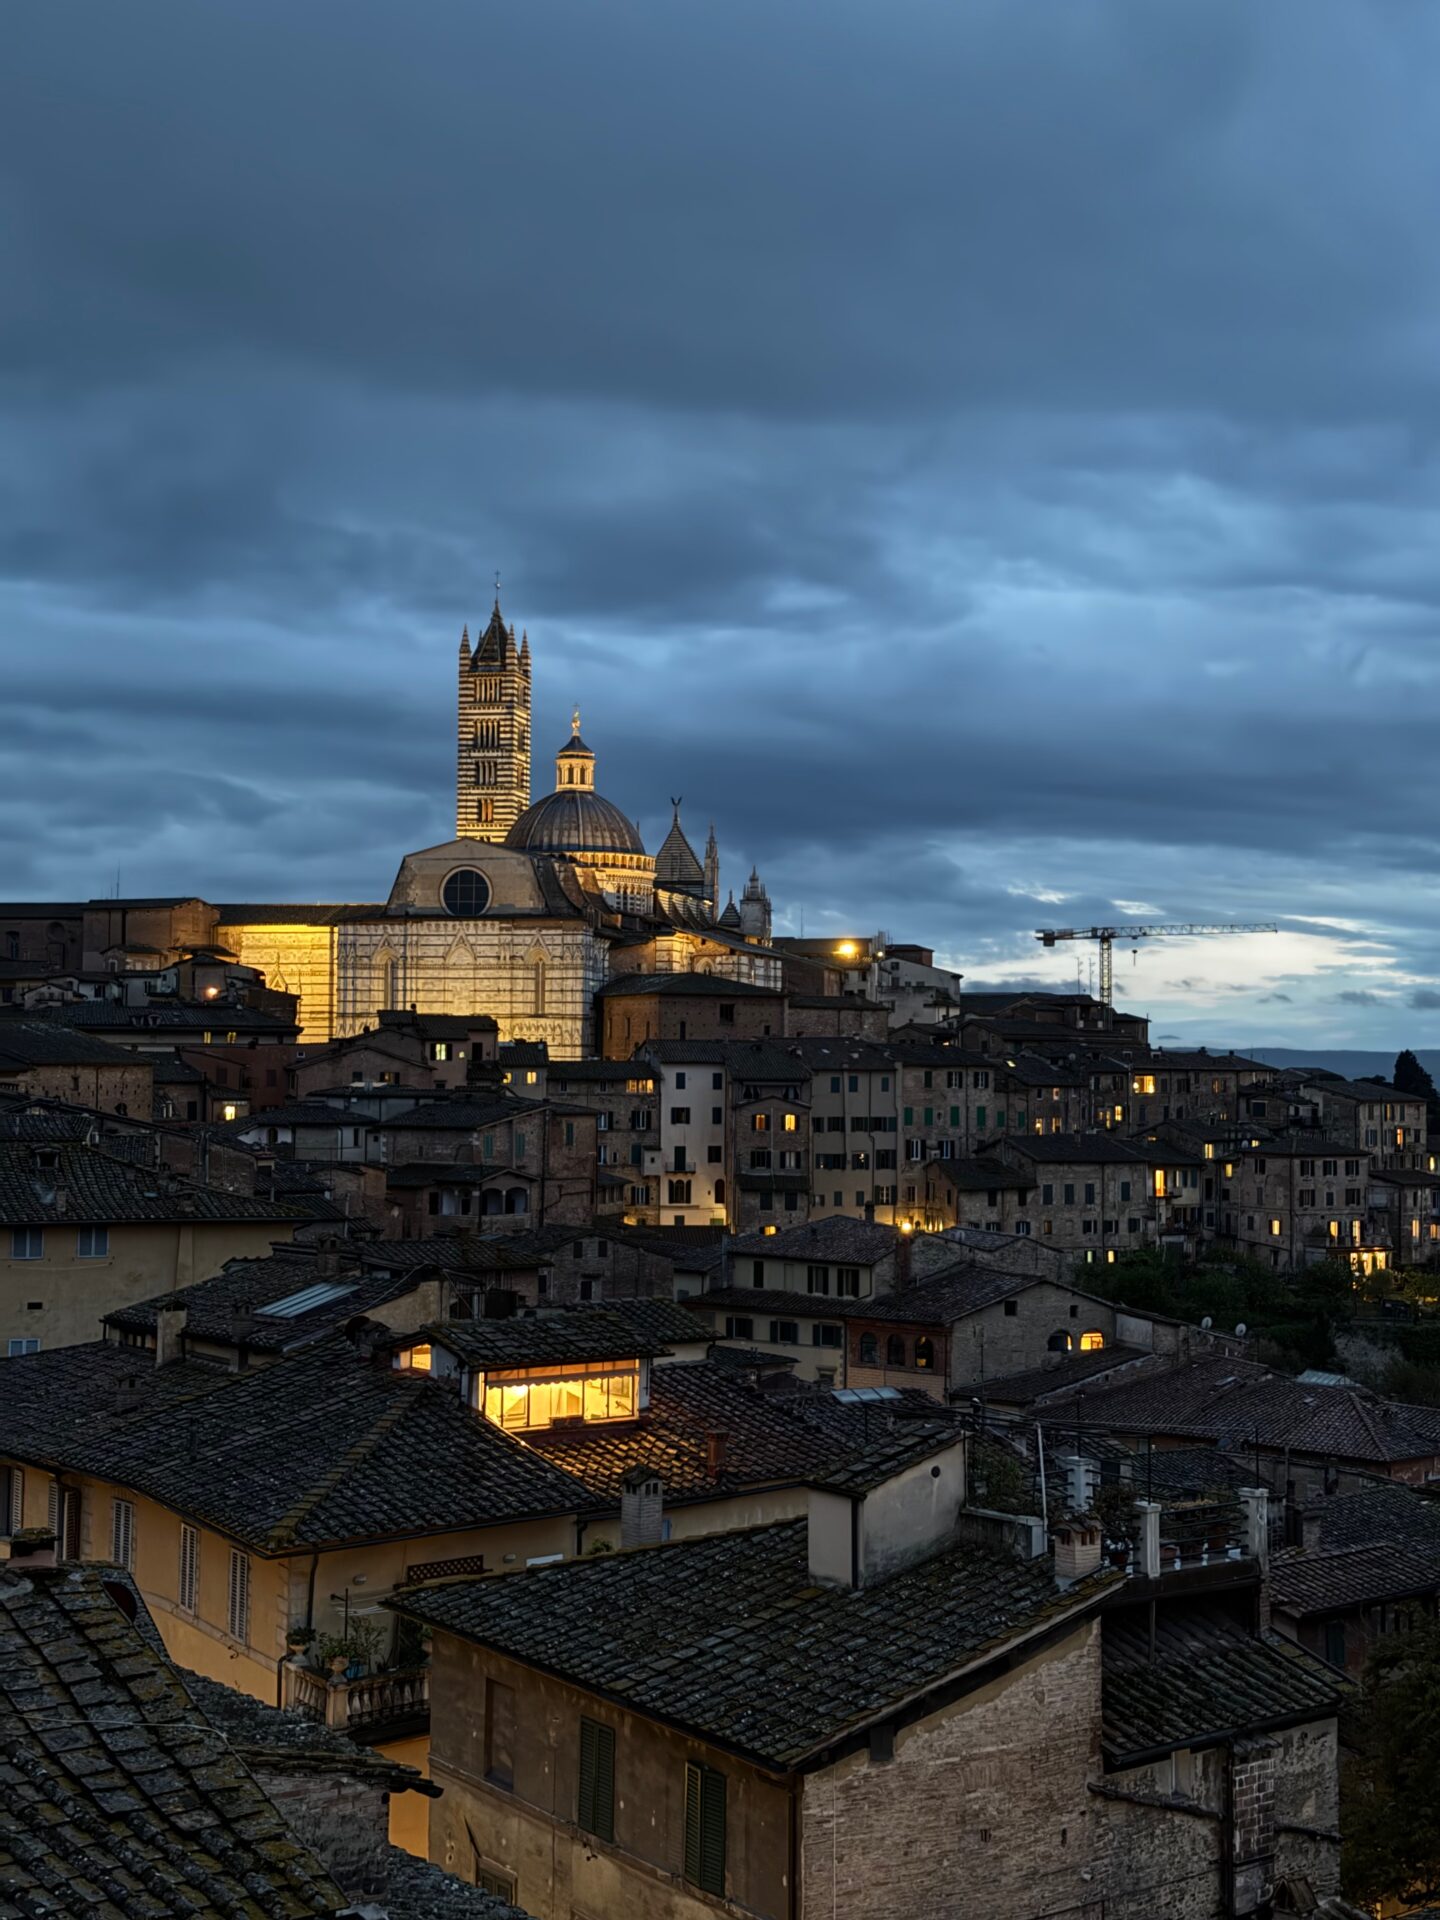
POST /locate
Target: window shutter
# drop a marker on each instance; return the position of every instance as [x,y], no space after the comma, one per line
[239,1608]
[53,1513]
[705,1828]
[14,1510]
[122,1534]
[692,1823]
[597,1779]
[189,1568]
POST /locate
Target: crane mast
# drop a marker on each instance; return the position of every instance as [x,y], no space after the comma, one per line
[1107,936]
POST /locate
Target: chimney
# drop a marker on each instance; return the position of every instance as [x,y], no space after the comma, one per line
[33,1548]
[169,1334]
[1256,1502]
[1082,1479]
[904,1249]
[715,1445]
[62,1201]
[327,1260]
[1148,1557]
[862,1528]
[869,1212]
[126,1397]
[642,1508]
[1311,1519]
[1077,1550]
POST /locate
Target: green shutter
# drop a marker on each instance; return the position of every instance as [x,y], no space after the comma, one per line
[909,1116]
[705,1828]
[980,1116]
[692,1823]
[954,1116]
[597,1779]
[929,1116]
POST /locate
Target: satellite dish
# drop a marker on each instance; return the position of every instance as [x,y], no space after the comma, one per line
[1206,1324]
[1240,1331]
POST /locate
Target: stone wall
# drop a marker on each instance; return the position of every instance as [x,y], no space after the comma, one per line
[342,1817]
[983,1803]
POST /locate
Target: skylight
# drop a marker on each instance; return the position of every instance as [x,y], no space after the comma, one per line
[849,1396]
[320,1295]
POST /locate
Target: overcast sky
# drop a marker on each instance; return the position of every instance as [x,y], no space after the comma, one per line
[983,454]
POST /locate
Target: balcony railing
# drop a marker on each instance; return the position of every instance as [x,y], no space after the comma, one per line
[375,1699]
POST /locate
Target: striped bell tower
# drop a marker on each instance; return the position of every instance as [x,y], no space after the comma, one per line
[492,783]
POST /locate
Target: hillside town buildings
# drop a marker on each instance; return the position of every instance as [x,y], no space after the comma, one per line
[390,1291]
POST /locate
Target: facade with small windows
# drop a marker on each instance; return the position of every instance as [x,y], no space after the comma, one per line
[82,1235]
[1298,1199]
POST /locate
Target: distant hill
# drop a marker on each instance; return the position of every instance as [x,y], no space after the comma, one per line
[1355,1063]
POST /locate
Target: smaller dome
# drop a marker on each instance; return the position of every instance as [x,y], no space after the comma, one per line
[574,820]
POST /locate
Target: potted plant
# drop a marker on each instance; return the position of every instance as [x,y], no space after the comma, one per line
[298,1637]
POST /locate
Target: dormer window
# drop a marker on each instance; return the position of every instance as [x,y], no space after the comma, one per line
[522,1399]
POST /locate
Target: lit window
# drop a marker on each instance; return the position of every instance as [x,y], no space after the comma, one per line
[1143,1083]
[1159,1183]
[791,1123]
[1275,1229]
[1093,1341]
[418,1359]
[442,1050]
[229,1111]
[529,1397]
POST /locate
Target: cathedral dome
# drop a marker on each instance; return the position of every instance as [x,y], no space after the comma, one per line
[574,820]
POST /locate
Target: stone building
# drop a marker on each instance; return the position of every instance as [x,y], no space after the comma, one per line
[883,1705]
[516,917]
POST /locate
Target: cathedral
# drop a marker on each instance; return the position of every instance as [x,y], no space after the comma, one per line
[523,915]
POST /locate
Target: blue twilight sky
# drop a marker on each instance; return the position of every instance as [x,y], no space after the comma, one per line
[984,455]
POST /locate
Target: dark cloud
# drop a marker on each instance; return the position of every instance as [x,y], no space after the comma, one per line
[948,445]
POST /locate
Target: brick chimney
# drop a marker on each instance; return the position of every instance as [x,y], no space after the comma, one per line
[127,1397]
[642,1508]
[169,1334]
[904,1250]
[716,1444]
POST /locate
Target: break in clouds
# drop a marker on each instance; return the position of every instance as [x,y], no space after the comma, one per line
[984,458]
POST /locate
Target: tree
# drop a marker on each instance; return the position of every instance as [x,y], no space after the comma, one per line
[1391,1837]
[1410,1077]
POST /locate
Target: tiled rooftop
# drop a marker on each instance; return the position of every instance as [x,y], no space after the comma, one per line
[1343,1577]
[61,1184]
[1202,1677]
[727,1636]
[117,1797]
[322,1447]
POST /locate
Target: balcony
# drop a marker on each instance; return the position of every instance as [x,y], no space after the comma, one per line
[363,1705]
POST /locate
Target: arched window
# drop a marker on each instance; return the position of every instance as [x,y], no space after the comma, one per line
[516,1200]
[924,1352]
[539,978]
[1059,1343]
[1092,1342]
[895,1351]
[869,1350]
[387,981]
[719,1193]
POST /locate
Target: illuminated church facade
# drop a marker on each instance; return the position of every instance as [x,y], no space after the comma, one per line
[530,908]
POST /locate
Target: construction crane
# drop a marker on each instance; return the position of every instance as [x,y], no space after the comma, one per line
[1107,936]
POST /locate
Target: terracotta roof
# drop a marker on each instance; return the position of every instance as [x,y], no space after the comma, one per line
[728,1637]
[116,1795]
[65,1185]
[1238,1403]
[835,1237]
[1383,1510]
[1035,1383]
[532,1340]
[1310,1583]
[229,1307]
[320,1448]
[1204,1677]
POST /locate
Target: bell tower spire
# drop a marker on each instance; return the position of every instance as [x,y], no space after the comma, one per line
[492,786]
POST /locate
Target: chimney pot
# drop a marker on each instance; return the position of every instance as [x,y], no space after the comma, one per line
[1077,1551]
[715,1445]
[169,1334]
[642,1508]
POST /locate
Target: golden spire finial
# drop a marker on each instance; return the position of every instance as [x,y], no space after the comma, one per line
[575,721]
